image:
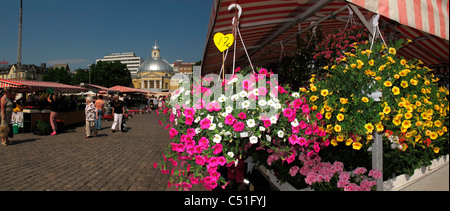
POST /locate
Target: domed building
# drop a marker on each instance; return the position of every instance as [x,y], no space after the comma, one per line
[154,74]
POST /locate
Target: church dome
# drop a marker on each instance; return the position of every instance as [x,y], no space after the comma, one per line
[155,63]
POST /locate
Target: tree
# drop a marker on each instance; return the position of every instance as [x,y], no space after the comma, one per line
[81,76]
[109,74]
[59,75]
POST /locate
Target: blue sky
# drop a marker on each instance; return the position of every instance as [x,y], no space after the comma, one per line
[80,31]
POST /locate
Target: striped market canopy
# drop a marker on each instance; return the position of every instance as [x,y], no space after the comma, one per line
[269,28]
[125,89]
[31,86]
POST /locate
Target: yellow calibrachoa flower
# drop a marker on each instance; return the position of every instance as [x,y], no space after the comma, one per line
[360,63]
[349,142]
[371,62]
[344,100]
[433,135]
[365,99]
[438,123]
[396,90]
[313,98]
[380,127]
[333,142]
[436,150]
[353,65]
[404,84]
[403,62]
[419,123]
[324,92]
[406,124]
[382,67]
[408,115]
[392,51]
[369,127]
[357,145]
[340,117]
[387,110]
[337,128]
[397,122]
[340,138]
[387,84]
[404,72]
[328,115]
[413,82]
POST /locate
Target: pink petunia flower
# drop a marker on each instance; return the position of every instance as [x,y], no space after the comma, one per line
[238,126]
[229,119]
[205,123]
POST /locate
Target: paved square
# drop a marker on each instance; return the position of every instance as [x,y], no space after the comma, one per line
[68,161]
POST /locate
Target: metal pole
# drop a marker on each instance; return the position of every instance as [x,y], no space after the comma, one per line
[19,45]
[377,157]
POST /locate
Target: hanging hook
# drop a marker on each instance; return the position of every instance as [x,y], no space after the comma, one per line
[238,7]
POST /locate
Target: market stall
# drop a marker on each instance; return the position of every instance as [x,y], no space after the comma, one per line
[32,106]
[134,98]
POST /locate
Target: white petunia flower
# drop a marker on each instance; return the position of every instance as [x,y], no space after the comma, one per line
[261,128]
[217,138]
[197,120]
[294,123]
[230,154]
[262,102]
[280,133]
[273,119]
[268,138]
[253,140]
[210,117]
[228,109]
[245,104]
[255,92]
[243,94]
[296,95]
[222,98]
[251,123]
[212,126]
[234,97]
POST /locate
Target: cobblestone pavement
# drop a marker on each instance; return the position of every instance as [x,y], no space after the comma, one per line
[68,161]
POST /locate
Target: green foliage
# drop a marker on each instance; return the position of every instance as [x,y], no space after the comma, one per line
[59,75]
[105,74]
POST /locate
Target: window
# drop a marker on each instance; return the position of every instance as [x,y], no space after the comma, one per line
[166,85]
[152,84]
[157,84]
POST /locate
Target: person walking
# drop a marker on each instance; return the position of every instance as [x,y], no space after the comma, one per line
[118,111]
[6,112]
[100,106]
[54,104]
[91,115]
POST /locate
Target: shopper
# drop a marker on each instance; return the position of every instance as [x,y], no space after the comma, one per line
[54,104]
[91,115]
[100,106]
[118,111]
[6,112]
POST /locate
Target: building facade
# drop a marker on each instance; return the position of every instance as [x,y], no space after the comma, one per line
[25,72]
[130,59]
[154,74]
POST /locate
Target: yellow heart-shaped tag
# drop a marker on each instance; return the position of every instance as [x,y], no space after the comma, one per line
[223,42]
